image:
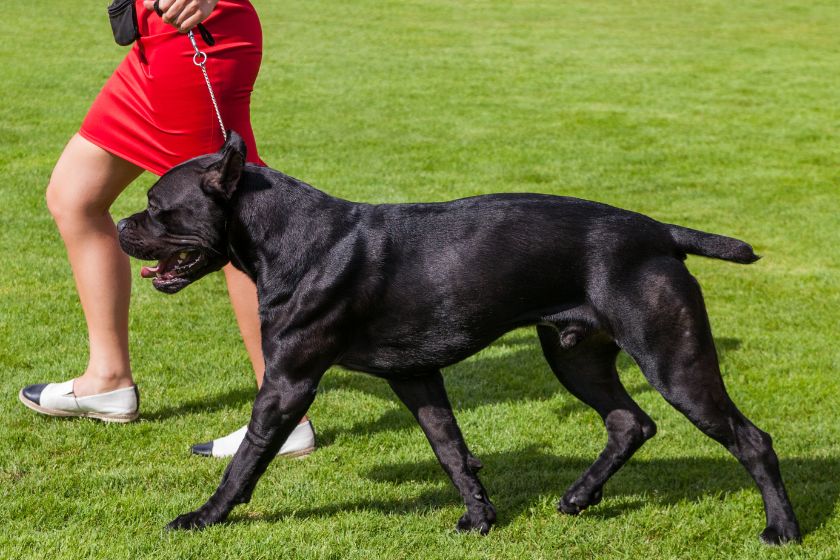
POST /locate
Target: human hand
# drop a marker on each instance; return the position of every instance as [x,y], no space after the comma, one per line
[183,14]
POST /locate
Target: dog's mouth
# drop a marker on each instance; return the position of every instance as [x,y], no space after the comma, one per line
[175,271]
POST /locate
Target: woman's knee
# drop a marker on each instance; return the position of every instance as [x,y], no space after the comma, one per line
[72,203]
[86,180]
[65,204]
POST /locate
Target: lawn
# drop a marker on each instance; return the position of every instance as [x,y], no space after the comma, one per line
[717,115]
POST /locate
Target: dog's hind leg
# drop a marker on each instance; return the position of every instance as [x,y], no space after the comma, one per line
[587,370]
[666,330]
[425,396]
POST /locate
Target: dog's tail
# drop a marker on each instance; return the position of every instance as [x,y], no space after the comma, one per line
[711,245]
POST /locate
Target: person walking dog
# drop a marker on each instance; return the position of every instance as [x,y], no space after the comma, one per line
[154,112]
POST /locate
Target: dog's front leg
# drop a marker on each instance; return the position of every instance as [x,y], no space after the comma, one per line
[282,401]
[425,396]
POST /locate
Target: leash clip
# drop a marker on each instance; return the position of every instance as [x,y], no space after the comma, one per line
[200,57]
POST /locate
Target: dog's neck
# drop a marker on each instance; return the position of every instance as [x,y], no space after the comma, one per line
[284,215]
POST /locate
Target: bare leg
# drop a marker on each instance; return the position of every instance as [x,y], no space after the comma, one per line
[243,297]
[85,182]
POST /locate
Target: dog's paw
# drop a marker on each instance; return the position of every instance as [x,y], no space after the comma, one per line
[198,519]
[776,536]
[479,519]
[575,500]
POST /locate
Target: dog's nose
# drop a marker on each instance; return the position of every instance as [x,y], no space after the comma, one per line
[122,224]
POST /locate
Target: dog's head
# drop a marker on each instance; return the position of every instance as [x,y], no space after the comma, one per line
[184,226]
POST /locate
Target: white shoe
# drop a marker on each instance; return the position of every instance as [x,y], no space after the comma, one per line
[58,399]
[301,442]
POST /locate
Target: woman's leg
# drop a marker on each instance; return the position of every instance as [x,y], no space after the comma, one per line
[85,182]
[243,297]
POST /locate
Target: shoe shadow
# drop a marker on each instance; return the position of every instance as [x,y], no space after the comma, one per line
[230,399]
[518,480]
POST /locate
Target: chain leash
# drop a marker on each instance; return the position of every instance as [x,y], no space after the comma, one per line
[200,60]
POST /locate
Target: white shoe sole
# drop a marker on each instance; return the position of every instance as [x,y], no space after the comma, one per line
[299,454]
[117,418]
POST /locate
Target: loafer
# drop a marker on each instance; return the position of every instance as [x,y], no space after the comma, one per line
[300,443]
[58,399]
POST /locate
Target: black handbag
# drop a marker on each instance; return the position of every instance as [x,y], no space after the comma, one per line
[123,16]
[123,21]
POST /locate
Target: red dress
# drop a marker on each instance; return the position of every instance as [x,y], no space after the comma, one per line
[155,110]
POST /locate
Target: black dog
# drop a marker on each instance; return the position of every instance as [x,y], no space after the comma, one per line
[401,291]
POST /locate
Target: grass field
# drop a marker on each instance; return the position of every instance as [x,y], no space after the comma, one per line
[716,115]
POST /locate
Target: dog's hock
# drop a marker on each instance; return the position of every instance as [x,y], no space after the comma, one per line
[221,178]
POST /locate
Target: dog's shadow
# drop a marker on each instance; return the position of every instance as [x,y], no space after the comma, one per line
[510,370]
[517,480]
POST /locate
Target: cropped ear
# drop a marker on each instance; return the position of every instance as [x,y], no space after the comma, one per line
[221,178]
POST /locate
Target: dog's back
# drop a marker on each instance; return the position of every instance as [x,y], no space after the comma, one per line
[443,280]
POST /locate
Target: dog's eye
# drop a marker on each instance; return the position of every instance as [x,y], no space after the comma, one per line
[154,212]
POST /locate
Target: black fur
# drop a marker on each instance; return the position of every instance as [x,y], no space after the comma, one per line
[403,290]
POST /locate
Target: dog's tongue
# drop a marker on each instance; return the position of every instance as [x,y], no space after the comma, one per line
[149,271]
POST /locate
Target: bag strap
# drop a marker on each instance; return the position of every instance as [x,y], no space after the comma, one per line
[208,38]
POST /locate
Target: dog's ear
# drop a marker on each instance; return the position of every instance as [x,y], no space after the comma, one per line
[221,178]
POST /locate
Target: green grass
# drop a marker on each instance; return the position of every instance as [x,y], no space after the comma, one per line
[716,115]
